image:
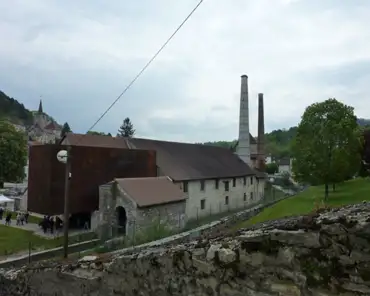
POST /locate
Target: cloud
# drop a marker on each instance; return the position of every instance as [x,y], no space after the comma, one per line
[80,55]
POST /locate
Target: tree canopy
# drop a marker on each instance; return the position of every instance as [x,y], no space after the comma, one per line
[65,129]
[272,168]
[14,111]
[326,148]
[365,153]
[126,129]
[13,153]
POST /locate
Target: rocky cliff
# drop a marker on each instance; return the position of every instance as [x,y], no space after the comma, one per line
[323,254]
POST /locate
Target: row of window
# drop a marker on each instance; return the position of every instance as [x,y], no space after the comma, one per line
[203,201]
[217,181]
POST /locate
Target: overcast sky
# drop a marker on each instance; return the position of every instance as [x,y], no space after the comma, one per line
[80,55]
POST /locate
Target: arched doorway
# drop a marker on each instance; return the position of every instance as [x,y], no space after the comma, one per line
[121,220]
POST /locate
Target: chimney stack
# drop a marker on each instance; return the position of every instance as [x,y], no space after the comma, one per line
[261,135]
[243,150]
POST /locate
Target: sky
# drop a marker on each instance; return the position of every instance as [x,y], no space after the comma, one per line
[78,56]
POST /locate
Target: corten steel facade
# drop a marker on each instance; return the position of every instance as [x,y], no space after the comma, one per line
[90,168]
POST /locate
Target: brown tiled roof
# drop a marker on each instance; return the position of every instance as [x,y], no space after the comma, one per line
[284,161]
[50,126]
[183,161]
[151,191]
[94,141]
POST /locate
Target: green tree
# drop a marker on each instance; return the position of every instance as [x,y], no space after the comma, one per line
[272,168]
[13,154]
[326,147]
[65,129]
[126,129]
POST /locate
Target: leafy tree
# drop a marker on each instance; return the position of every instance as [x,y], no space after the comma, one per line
[272,168]
[126,129]
[65,129]
[365,161]
[326,147]
[13,154]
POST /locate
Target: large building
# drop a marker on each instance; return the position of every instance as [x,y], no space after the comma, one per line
[212,179]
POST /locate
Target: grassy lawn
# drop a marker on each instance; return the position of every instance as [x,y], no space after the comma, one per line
[350,192]
[31,219]
[13,240]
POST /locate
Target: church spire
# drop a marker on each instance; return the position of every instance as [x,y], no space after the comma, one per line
[40,107]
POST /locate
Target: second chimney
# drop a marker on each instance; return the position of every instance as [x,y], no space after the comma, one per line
[261,135]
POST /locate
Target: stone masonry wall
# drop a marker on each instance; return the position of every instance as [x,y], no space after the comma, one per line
[171,215]
[321,254]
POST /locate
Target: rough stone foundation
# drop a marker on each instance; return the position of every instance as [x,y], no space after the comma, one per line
[321,254]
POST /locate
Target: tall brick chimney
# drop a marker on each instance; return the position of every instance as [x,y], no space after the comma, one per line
[261,135]
[244,150]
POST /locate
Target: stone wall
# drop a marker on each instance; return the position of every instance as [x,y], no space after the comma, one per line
[171,215]
[321,254]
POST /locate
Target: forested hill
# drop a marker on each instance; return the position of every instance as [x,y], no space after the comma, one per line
[278,141]
[14,111]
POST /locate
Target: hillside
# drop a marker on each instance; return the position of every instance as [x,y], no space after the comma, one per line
[14,111]
[278,141]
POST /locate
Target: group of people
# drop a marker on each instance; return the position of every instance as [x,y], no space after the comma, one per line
[51,224]
[21,217]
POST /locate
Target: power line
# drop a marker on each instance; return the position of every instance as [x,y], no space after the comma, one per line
[145,67]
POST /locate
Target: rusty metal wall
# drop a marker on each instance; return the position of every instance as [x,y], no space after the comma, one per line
[90,167]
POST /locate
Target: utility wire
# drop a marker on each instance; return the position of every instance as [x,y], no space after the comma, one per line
[144,68]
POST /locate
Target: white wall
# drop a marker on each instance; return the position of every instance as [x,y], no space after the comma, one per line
[215,198]
[284,169]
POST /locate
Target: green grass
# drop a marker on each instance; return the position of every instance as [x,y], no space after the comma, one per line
[31,219]
[350,192]
[14,240]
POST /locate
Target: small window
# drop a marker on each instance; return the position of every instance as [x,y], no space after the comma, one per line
[244,181]
[245,197]
[251,195]
[234,182]
[216,183]
[226,200]
[185,186]
[226,185]
[251,180]
[202,185]
[202,204]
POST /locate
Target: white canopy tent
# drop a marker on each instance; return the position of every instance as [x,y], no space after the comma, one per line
[4,199]
[6,203]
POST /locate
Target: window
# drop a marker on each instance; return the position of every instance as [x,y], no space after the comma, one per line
[216,183]
[244,181]
[234,182]
[226,200]
[245,197]
[202,185]
[251,195]
[251,180]
[226,185]
[185,186]
[202,204]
